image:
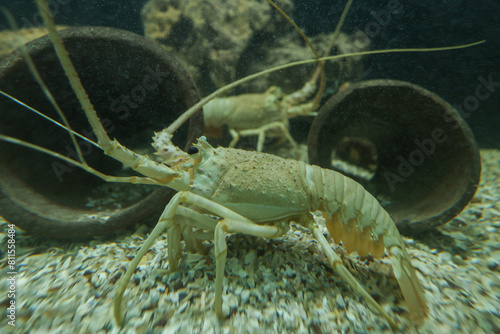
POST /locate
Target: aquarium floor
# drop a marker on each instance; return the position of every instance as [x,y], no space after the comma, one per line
[271,286]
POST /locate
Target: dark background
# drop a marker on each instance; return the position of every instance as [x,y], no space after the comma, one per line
[425,23]
[430,23]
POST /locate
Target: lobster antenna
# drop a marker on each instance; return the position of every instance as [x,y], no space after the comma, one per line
[84,166]
[187,114]
[41,83]
[322,84]
[71,73]
[48,118]
[342,19]
[94,120]
[336,32]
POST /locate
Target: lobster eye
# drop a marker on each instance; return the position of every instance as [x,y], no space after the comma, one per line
[192,150]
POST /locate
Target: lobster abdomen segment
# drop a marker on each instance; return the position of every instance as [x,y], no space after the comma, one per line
[353,214]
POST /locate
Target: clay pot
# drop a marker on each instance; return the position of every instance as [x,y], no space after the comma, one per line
[422,156]
[135,85]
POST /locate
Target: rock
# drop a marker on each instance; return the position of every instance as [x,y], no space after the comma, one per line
[209,36]
[219,42]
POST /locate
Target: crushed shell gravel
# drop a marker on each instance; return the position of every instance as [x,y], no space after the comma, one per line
[281,285]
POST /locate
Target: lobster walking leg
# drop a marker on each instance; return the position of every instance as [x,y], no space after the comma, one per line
[232,222]
[165,222]
[336,264]
[261,133]
[174,230]
[410,286]
[234,226]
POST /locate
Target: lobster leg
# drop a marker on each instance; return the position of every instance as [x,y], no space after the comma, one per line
[224,227]
[164,223]
[232,222]
[193,239]
[261,133]
[236,137]
[174,230]
[337,265]
[410,286]
[355,238]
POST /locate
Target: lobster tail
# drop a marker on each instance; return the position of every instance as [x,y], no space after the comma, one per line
[410,286]
[356,218]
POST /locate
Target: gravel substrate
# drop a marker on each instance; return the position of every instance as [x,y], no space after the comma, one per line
[271,286]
